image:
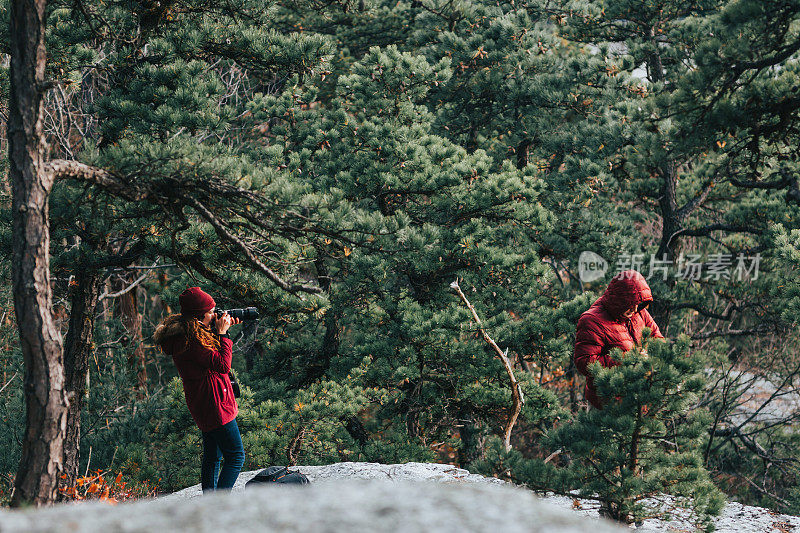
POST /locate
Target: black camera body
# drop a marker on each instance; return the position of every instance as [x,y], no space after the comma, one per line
[247,313]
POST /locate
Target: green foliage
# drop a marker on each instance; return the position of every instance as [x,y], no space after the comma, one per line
[650,439]
[158,443]
[373,152]
[645,443]
[12,419]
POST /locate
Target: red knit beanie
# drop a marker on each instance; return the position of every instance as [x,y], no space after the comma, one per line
[194,302]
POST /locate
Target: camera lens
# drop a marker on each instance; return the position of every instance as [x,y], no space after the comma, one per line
[248,313]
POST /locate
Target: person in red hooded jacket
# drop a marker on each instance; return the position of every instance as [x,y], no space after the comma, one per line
[615,320]
[197,339]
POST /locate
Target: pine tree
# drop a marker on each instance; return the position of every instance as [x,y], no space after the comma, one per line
[339,164]
[156,98]
[423,213]
[705,150]
[641,455]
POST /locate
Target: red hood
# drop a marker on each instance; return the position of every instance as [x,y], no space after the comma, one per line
[626,289]
[171,335]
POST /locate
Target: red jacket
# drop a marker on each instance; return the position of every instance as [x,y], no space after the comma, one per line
[206,383]
[602,327]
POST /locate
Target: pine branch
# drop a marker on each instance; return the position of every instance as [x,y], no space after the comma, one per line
[780,55]
[116,185]
[706,231]
[112,183]
[226,235]
[686,209]
[782,183]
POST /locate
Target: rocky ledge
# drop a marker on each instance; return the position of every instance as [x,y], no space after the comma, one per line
[368,497]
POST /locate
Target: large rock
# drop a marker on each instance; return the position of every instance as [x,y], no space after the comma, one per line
[327,506]
[400,472]
[353,497]
[735,517]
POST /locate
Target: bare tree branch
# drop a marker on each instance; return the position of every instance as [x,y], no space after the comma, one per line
[760,329]
[127,289]
[64,169]
[516,390]
[705,312]
[9,381]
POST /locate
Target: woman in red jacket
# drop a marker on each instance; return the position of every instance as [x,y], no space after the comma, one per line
[200,347]
[615,320]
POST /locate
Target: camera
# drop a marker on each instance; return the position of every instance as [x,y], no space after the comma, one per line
[247,313]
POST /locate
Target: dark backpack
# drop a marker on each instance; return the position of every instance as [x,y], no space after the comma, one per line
[277,474]
[234,385]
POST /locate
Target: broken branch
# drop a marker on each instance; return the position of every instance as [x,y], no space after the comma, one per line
[516,389]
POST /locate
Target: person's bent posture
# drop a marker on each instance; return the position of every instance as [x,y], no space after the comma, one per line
[615,320]
[197,339]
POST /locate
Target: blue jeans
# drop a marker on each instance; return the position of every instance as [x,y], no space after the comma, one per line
[223,442]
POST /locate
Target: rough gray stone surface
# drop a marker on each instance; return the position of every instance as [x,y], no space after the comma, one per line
[762,402]
[368,497]
[400,472]
[734,518]
[342,506]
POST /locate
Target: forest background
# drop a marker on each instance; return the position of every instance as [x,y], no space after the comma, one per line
[339,164]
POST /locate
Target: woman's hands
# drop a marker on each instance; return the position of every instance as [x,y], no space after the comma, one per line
[224,322]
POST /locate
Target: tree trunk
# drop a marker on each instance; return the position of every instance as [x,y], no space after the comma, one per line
[355,429]
[572,375]
[473,440]
[522,153]
[128,306]
[330,341]
[253,348]
[633,453]
[39,469]
[77,347]
[671,219]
